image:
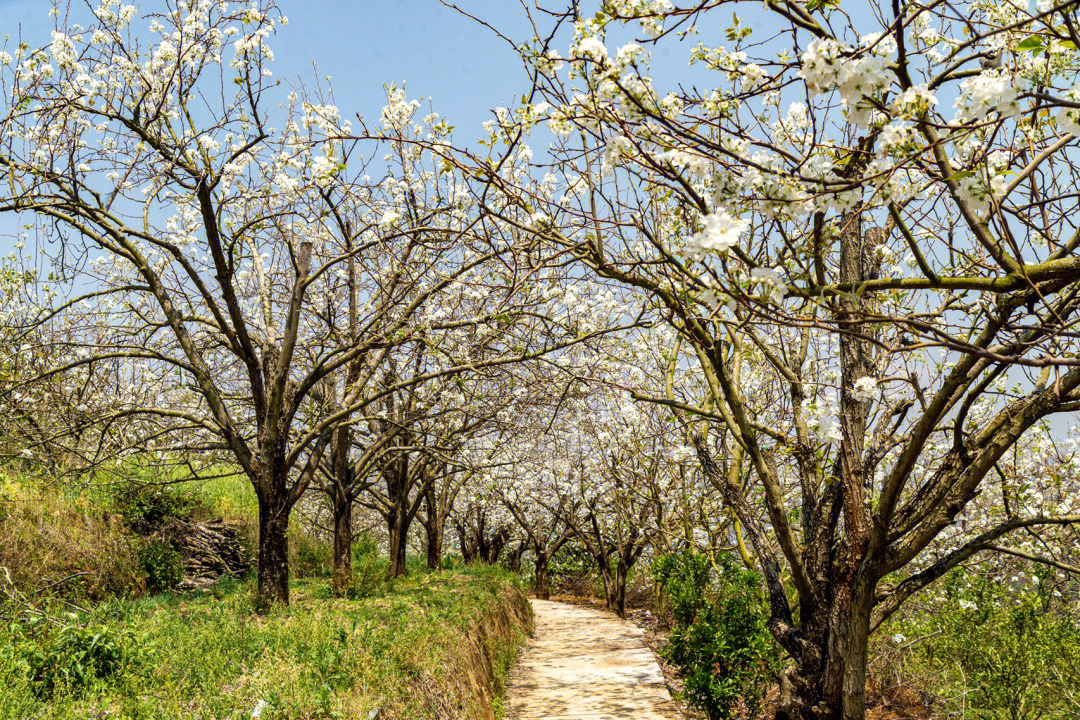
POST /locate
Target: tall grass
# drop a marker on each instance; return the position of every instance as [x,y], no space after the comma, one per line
[63,543]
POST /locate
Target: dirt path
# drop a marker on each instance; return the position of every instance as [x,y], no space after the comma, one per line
[587,665]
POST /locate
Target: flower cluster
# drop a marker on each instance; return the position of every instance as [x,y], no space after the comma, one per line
[991,92]
[720,232]
[827,65]
[865,389]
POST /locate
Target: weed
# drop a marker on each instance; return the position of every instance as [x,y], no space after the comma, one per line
[67,546]
[162,565]
[146,509]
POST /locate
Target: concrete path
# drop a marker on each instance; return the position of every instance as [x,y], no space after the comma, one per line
[587,665]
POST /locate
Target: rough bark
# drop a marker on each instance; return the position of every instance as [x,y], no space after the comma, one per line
[828,680]
[434,544]
[273,582]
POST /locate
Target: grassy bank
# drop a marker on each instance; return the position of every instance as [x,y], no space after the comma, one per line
[429,646]
[86,542]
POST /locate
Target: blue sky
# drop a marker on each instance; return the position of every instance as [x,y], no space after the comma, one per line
[362,44]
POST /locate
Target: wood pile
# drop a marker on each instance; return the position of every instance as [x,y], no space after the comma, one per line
[211,549]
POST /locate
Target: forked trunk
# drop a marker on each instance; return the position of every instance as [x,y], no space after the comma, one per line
[273,583]
[829,681]
[342,578]
[540,571]
[465,542]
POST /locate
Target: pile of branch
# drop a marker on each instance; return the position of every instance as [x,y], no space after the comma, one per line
[211,549]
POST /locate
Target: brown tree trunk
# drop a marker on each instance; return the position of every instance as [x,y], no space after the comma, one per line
[540,571]
[273,582]
[342,578]
[829,681]
[341,481]
[513,556]
[465,542]
[399,535]
[434,544]
[609,582]
[619,602]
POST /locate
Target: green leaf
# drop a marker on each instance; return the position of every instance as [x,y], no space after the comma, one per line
[960,175]
[1029,44]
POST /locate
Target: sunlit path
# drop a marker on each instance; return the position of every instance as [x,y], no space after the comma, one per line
[587,665]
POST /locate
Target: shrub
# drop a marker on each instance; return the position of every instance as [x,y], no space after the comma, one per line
[53,654]
[147,508]
[991,649]
[368,568]
[720,640]
[309,556]
[162,565]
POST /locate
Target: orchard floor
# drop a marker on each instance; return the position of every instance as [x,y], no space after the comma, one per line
[584,664]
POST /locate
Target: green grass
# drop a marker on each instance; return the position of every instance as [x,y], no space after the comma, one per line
[230,496]
[212,656]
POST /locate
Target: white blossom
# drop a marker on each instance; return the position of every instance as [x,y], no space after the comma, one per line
[865,389]
[720,232]
[993,91]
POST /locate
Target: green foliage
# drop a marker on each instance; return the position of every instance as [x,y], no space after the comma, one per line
[573,571]
[146,509]
[162,565]
[59,654]
[368,569]
[309,556]
[720,639]
[993,650]
[211,655]
[570,563]
[232,498]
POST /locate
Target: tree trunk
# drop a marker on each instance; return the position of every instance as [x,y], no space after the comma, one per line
[273,584]
[619,602]
[609,583]
[465,543]
[399,536]
[513,556]
[829,680]
[342,578]
[540,571]
[434,544]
